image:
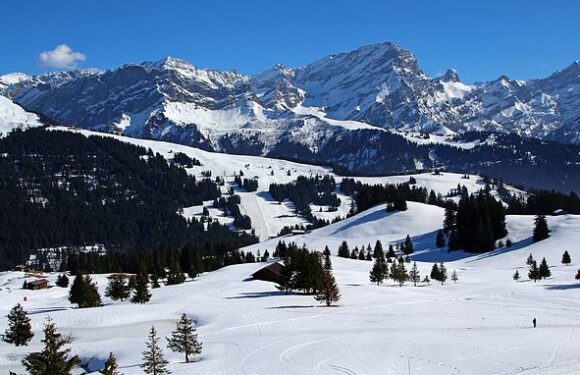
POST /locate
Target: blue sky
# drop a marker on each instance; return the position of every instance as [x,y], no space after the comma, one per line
[481,39]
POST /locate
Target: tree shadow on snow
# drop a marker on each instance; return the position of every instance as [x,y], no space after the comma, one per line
[259,294]
[563,286]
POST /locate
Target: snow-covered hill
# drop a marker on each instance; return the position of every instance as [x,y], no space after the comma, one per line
[480,325]
[12,116]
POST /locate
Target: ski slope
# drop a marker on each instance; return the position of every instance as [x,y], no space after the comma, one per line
[480,325]
[12,116]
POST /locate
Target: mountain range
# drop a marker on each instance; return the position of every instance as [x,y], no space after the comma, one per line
[370,111]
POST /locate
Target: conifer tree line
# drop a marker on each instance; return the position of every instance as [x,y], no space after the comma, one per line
[65,189]
[367,196]
[475,224]
[542,271]
[304,191]
[248,184]
[544,202]
[405,247]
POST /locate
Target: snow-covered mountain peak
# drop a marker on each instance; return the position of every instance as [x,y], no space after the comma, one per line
[450,75]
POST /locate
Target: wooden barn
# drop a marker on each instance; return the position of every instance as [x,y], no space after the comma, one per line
[272,272]
[36,284]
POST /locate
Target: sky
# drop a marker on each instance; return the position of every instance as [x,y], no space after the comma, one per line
[480,39]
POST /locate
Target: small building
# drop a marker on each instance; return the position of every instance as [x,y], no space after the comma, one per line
[272,272]
[36,284]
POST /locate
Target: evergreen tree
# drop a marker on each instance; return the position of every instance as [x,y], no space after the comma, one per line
[442,273]
[414,275]
[534,272]
[154,362]
[408,245]
[184,338]
[379,271]
[454,277]
[19,330]
[141,292]
[51,360]
[62,281]
[390,252]
[435,272]
[175,275]
[578,275]
[361,254]
[110,366]
[399,272]
[440,239]
[343,250]
[84,292]
[541,231]
[545,269]
[329,291]
[449,221]
[516,276]
[508,243]
[530,260]
[118,289]
[566,258]
[378,252]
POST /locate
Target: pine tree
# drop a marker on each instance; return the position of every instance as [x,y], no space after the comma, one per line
[329,291]
[379,271]
[390,252]
[343,250]
[516,276]
[566,258]
[454,277]
[51,360]
[578,275]
[184,338]
[84,292]
[442,273]
[530,260]
[175,275]
[62,281]
[19,330]
[541,231]
[118,289]
[435,273]
[414,275]
[399,272]
[378,251]
[508,243]
[141,292]
[154,362]
[361,254]
[408,245]
[545,269]
[440,239]
[110,366]
[534,272]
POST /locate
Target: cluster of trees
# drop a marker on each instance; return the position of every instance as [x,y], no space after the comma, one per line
[184,160]
[304,191]
[248,184]
[544,202]
[475,224]
[231,207]
[367,196]
[405,247]
[543,271]
[65,189]
[55,359]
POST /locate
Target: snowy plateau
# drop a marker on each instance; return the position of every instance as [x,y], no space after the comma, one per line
[481,324]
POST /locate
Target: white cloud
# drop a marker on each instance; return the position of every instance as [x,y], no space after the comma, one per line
[62,57]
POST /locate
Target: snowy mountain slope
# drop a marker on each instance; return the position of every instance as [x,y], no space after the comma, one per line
[12,116]
[268,217]
[249,327]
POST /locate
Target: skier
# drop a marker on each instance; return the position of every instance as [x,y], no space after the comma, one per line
[534,321]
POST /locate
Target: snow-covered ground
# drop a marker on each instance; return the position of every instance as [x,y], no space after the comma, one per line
[480,325]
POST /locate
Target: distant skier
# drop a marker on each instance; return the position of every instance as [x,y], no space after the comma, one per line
[534,321]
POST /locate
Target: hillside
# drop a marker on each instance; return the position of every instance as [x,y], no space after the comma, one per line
[249,327]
